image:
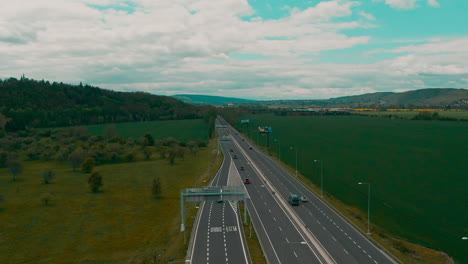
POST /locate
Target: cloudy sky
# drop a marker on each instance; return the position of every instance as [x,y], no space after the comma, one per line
[258,49]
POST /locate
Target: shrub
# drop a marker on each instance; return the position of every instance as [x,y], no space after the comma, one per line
[47,176]
[148,153]
[130,157]
[95,181]
[88,165]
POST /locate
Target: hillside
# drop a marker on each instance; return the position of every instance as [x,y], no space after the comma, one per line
[208,99]
[31,103]
[424,98]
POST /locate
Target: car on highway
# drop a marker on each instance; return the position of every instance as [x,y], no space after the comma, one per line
[231,150]
[247,181]
[234,157]
[293,199]
[250,148]
[304,198]
[241,167]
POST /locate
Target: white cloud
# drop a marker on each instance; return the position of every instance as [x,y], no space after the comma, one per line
[367,15]
[407,4]
[433,3]
[184,46]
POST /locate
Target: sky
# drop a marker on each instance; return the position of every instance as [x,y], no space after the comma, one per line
[255,49]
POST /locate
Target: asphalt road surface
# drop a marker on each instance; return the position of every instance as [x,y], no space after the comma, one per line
[218,234]
[341,241]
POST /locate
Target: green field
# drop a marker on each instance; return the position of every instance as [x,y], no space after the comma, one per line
[182,130]
[121,224]
[463,115]
[418,170]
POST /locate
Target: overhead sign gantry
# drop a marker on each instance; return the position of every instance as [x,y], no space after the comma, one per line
[211,193]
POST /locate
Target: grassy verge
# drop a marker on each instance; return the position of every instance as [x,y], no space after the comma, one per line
[406,252]
[255,249]
[121,224]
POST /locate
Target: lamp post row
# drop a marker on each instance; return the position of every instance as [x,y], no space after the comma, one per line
[321,184]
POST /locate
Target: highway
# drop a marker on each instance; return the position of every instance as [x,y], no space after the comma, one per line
[218,236]
[282,239]
[332,233]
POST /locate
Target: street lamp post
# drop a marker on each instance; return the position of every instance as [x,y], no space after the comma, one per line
[279,148]
[321,176]
[368,206]
[296,158]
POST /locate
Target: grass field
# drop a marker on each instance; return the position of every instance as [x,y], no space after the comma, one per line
[121,224]
[182,130]
[463,115]
[417,170]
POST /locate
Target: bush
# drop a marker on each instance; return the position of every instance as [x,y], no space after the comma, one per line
[76,158]
[95,182]
[201,143]
[148,153]
[47,176]
[130,157]
[149,140]
[88,165]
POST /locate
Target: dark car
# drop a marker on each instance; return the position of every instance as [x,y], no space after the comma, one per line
[241,167]
[250,148]
[247,181]
[234,157]
[231,150]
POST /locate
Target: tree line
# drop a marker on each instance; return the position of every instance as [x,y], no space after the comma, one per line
[27,103]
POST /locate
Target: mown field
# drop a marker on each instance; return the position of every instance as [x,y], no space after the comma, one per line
[418,170]
[123,223]
[182,130]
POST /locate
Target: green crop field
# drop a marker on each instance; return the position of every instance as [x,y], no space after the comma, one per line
[121,224]
[417,170]
[182,130]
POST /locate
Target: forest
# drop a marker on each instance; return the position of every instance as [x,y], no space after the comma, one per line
[27,103]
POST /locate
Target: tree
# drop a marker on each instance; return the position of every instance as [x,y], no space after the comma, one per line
[130,156]
[3,121]
[148,153]
[15,167]
[3,158]
[172,156]
[76,158]
[46,198]
[156,187]
[95,181]
[47,176]
[87,165]
[180,152]
[149,139]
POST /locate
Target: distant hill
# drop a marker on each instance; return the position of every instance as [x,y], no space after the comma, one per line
[208,99]
[31,103]
[424,98]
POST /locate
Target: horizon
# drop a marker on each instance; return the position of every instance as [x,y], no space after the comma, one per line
[277,50]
